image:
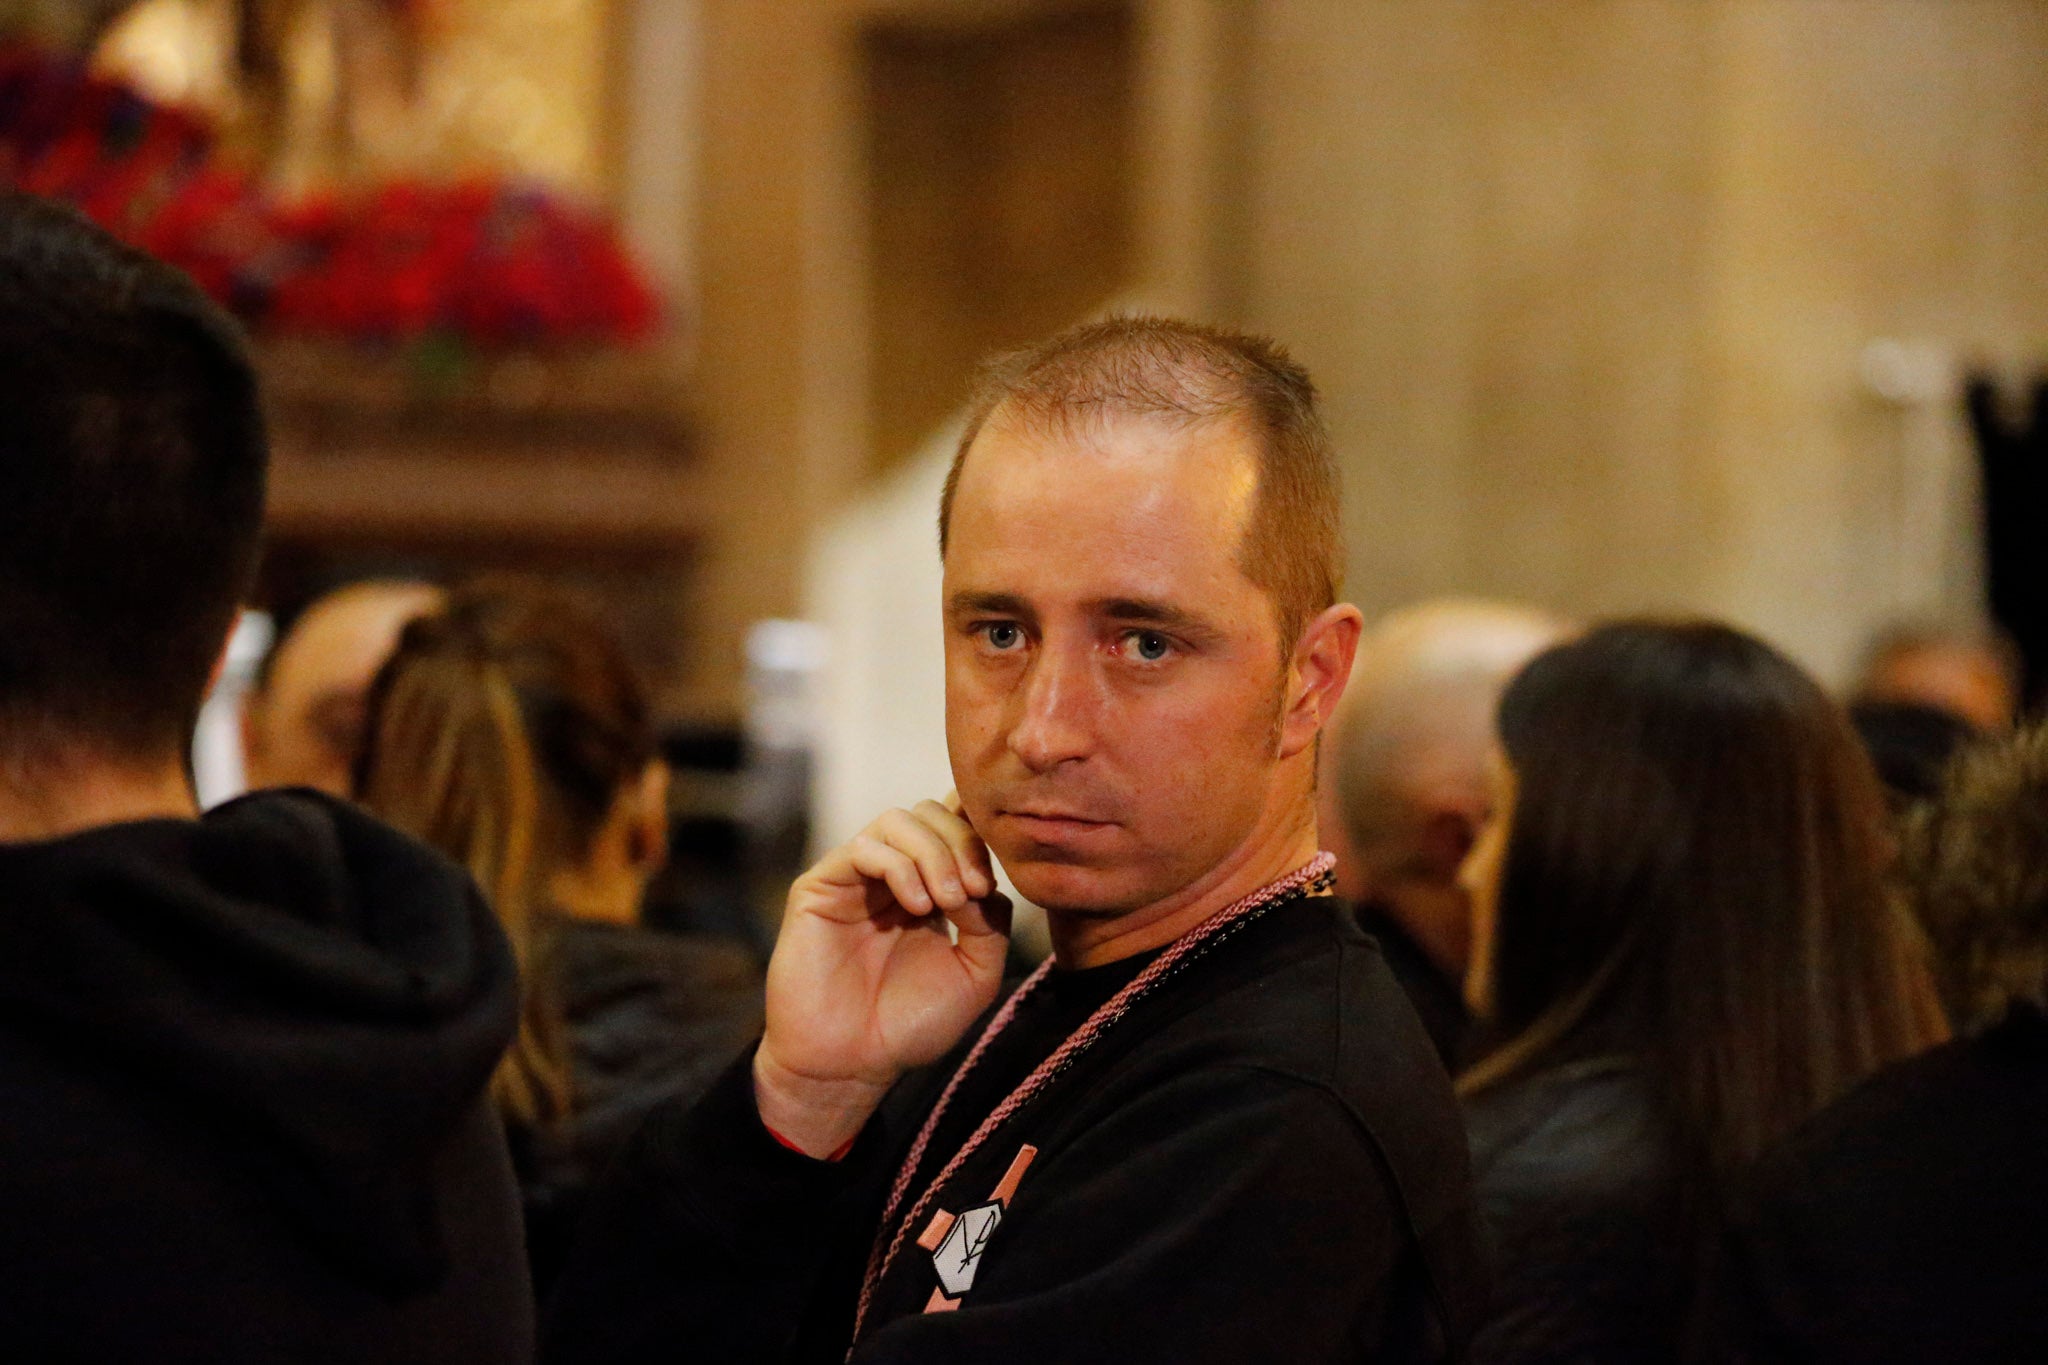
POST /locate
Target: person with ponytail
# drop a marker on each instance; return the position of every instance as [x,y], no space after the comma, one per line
[509,731]
[1683,947]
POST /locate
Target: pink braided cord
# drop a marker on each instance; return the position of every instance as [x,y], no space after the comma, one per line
[880,1258]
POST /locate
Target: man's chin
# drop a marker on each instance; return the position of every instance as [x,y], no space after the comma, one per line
[1064,885]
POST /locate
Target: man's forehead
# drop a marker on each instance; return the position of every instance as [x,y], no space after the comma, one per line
[1208,464]
[1135,510]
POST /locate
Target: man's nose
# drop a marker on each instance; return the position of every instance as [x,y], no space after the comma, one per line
[1056,709]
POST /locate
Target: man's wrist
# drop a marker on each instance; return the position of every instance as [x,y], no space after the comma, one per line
[818,1117]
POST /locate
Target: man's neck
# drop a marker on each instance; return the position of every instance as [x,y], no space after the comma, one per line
[1082,941]
[50,797]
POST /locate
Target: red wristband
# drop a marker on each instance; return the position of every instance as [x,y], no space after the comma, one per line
[839,1155]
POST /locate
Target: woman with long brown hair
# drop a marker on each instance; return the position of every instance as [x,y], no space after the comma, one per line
[1684,946]
[510,731]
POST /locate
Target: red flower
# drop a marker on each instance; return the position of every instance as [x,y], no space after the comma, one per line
[489,261]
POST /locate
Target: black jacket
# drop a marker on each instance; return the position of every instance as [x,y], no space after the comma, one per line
[1909,1221]
[1261,1161]
[651,1016]
[1580,1197]
[242,1069]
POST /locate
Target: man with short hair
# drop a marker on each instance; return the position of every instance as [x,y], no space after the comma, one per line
[1405,792]
[1210,1129]
[243,1058]
[302,722]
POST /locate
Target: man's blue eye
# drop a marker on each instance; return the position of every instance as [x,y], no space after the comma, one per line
[1151,645]
[1004,635]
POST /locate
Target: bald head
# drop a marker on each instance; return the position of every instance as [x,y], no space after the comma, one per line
[1405,766]
[303,724]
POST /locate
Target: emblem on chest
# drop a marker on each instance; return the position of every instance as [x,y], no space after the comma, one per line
[960,1252]
[957,1241]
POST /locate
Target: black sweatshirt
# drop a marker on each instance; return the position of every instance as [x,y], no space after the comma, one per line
[1261,1161]
[243,1065]
[1909,1220]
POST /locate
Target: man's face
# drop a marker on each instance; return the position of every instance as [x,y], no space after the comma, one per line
[1113,680]
[305,727]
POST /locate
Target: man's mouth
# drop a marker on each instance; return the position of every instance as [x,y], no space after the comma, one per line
[1052,822]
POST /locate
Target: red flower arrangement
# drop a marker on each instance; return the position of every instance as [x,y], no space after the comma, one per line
[490,262]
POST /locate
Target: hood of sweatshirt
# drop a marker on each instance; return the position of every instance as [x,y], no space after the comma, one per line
[329,995]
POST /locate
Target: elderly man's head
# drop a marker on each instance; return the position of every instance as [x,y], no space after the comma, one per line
[303,722]
[1405,769]
[1142,642]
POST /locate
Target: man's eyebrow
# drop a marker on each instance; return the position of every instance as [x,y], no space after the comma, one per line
[1140,611]
[987,603]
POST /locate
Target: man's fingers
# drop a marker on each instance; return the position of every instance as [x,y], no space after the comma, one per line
[983,917]
[929,858]
[969,851]
[945,877]
[984,926]
[879,861]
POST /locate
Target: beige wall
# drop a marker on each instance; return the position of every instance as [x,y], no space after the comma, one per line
[779,393]
[1587,283]
[1884,171]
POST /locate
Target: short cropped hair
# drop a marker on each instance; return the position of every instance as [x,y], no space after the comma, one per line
[1975,862]
[132,467]
[1192,373]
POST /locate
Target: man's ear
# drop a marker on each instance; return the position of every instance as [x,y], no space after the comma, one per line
[1317,672]
[248,722]
[220,660]
[1446,836]
[647,833]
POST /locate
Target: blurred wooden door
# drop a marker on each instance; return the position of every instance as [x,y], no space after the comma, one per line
[1000,194]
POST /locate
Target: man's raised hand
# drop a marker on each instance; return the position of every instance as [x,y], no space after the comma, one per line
[867,982]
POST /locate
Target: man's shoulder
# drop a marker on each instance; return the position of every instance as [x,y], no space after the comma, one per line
[1305,995]
[1306,1002]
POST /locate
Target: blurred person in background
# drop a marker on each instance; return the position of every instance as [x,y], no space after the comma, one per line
[243,1057]
[510,731]
[1971,674]
[1404,792]
[1911,744]
[1684,946]
[1909,1221]
[302,721]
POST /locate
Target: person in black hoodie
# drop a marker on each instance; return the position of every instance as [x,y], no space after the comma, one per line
[242,1057]
[1210,1128]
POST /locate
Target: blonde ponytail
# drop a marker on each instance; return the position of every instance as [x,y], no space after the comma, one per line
[450,762]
